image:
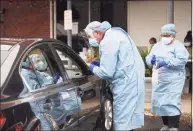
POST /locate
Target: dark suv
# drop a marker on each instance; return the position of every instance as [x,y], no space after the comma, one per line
[57,96]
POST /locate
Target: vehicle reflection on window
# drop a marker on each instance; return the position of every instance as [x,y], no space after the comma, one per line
[73,72]
[36,72]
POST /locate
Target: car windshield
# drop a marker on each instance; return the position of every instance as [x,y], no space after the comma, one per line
[8,56]
[4,52]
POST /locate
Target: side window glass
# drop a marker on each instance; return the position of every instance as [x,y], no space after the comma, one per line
[35,71]
[74,71]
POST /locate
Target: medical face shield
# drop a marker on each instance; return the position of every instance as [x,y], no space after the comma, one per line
[39,62]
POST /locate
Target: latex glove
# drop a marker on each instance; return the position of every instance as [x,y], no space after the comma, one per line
[96,63]
[27,65]
[153,60]
[56,77]
[161,63]
[91,67]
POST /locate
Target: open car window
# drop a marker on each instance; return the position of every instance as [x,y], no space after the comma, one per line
[36,71]
[73,71]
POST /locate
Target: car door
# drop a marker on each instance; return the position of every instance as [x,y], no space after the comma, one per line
[55,101]
[87,84]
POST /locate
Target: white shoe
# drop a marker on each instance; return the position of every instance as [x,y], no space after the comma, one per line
[173,129]
[164,128]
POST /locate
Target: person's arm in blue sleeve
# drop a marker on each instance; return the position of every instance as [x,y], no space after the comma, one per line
[108,60]
[151,58]
[181,58]
[30,79]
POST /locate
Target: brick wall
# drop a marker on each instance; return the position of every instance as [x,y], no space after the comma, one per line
[25,18]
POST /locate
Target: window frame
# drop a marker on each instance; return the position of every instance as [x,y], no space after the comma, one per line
[26,54]
[67,51]
[74,63]
[2,15]
[47,61]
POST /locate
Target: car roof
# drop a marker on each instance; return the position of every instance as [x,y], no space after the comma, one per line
[21,41]
[10,41]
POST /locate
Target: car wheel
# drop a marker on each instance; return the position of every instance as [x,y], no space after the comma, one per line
[107,113]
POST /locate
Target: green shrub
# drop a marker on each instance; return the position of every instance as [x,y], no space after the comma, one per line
[148,70]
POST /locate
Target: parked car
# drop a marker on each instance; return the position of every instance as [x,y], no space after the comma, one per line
[32,98]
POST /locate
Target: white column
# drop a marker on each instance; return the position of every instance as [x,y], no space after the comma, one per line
[69,33]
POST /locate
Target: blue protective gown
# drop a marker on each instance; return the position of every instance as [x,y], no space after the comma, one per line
[36,79]
[121,63]
[166,94]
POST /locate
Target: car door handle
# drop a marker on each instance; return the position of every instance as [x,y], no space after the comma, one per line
[77,74]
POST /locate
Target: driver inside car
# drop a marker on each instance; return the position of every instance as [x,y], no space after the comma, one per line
[36,74]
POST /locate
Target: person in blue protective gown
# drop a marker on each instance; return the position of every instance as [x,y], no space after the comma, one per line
[121,63]
[40,76]
[168,58]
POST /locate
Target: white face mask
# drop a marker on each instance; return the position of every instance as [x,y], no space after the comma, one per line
[167,40]
[93,42]
[41,66]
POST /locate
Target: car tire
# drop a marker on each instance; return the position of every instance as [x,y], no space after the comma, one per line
[107,112]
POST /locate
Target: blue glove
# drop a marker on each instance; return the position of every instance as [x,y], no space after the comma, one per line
[96,63]
[56,77]
[153,60]
[161,63]
[91,67]
[25,65]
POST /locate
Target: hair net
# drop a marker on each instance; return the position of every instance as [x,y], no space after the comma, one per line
[168,29]
[39,61]
[97,26]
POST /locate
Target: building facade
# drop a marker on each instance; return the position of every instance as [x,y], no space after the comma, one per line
[145,18]
[30,18]
[45,18]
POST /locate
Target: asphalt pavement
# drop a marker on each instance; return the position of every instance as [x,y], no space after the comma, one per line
[152,123]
